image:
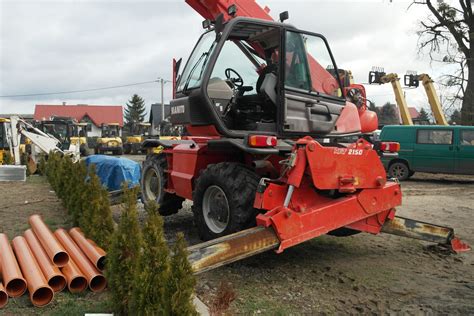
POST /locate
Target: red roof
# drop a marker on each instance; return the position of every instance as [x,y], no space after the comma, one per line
[413,112]
[97,113]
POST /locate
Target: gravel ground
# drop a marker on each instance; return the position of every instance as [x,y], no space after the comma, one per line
[357,274]
[361,273]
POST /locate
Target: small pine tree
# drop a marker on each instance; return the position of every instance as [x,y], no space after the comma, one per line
[100,214]
[182,281]
[78,194]
[423,115]
[124,251]
[150,296]
[135,111]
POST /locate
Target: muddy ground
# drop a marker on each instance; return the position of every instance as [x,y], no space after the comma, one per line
[358,274]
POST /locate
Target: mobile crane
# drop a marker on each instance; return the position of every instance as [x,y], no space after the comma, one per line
[256,166]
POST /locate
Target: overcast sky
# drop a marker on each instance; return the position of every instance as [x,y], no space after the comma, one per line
[50,46]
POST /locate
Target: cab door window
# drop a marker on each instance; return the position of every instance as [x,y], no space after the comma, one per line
[306,62]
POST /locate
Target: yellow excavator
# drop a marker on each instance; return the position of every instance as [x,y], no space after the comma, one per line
[68,131]
[110,140]
[5,157]
[133,143]
[411,80]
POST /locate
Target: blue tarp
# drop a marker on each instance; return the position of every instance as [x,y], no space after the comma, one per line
[112,171]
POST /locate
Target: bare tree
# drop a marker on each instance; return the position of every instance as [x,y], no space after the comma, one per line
[446,35]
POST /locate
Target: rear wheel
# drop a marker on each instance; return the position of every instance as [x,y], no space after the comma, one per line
[399,170]
[153,181]
[127,149]
[223,200]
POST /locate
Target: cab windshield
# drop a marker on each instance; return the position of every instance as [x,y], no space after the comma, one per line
[193,72]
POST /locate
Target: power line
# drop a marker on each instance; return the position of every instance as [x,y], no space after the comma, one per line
[77,91]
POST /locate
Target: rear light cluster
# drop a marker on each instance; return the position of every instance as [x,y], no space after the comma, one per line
[262,141]
[392,147]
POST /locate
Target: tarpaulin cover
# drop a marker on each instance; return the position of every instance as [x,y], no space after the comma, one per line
[112,171]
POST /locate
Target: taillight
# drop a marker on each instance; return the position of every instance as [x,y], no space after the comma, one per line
[262,141]
[392,147]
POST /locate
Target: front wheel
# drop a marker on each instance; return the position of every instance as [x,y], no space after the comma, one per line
[399,170]
[223,200]
[153,183]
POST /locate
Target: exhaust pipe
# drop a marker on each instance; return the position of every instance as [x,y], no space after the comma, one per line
[40,292]
[15,284]
[3,296]
[53,248]
[76,281]
[94,278]
[95,254]
[55,279]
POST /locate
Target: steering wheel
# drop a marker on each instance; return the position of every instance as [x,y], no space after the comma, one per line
[239,82]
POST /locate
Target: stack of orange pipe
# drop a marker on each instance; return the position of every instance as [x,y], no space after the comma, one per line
[51,272]
[44,263]
[95,254]
[15,284]
[3,293]
[53,248]
[95,279]
[40,292]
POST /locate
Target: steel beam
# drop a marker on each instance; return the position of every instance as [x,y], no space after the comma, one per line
[218,252]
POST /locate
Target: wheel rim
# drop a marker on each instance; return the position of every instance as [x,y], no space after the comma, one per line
[216,209]
[152,185]
[398,171]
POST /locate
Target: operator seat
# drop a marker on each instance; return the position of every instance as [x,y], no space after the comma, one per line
[268,87]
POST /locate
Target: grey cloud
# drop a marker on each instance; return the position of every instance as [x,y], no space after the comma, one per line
[68,45]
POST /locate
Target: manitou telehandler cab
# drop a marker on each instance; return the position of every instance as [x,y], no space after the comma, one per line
[261,110]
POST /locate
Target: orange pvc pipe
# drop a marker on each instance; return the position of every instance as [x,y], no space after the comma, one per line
[95,254]
[15,284]
[3,296]
[76,281]
[40,292]
[53,248]
[95,279]
[55,279]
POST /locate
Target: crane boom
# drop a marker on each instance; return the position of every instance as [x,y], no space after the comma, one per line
[399,97]
[433,99]
[210,9]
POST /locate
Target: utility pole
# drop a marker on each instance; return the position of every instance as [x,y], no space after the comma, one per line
[162,81]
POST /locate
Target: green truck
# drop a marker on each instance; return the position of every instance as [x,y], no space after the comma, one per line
[433,149]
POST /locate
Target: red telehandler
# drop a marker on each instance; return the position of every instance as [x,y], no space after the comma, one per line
[263,104]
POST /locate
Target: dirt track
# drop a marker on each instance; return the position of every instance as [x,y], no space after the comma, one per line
[358,274]
[364,273]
